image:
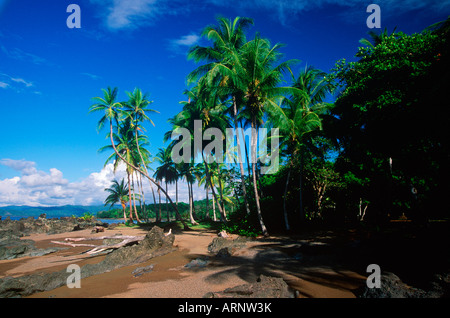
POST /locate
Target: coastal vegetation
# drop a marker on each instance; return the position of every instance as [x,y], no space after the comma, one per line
[366,142]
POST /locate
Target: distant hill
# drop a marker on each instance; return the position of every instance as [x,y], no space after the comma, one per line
[55,211]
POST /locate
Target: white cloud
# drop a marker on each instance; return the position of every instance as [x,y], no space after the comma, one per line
[186,40]
[35,187]
[127,14]
[21,80]
[133,14]
[180,45]
[16,83]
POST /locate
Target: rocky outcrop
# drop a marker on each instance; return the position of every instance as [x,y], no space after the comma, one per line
[154,244]
[11,246]
[264,287]
[224,247]
[30,225]
[392,287]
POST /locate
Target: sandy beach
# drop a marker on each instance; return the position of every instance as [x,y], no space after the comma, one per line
[170,278]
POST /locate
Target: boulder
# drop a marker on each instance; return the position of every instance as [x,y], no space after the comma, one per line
[391,287]
[264,287]
[222,246]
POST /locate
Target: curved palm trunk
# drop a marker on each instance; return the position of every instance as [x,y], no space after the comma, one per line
[142,172]
[134,199]
[191,204]
[255,184]
[124,207]
[129,196]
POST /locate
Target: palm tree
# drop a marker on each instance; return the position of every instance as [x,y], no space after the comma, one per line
[124,143]
[118,193]
[259,77]
[166,170]
[228,38]
[200,106]
[112,109]
[296,117]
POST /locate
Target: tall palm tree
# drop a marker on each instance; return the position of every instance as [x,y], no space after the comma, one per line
[258,76]
[296,117]
[118,193]
[227,38]
[166,170]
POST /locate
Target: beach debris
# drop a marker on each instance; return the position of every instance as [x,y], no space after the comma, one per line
[142,270]
[223,234]
[125,240]
[98,229]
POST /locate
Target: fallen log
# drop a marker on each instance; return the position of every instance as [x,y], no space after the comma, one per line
[126,240]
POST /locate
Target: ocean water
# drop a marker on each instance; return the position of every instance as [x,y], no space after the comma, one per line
[108,221]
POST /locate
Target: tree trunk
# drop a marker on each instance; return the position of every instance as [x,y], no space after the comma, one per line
[134,199]
[214,209]
[207,203]
[223,219]
[129,196]
[176,195]
[142,172]
[241,165]
[286,221]
[124,207]
[221,192]
[159,205]
[302,215]
[255,185]
[167,207]
[191,203]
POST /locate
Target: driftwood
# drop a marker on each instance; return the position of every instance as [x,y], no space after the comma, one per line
[126,239]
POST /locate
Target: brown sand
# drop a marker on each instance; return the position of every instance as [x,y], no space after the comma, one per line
[170,279]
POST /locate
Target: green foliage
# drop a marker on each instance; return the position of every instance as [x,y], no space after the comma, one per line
[87,216]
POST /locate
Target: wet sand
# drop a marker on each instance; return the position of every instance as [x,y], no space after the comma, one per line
[171,279]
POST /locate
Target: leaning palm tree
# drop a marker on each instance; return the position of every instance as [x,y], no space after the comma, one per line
[118,193]
[111,108]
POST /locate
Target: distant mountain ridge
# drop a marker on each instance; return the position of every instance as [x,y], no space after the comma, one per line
[53,211]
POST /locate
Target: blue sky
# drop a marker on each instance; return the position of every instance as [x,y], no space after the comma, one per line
[49,73]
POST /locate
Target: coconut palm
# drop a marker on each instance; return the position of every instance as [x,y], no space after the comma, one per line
[296,117]
[166,170]
[227,38]
[200,106]
[118,193]
[112,110]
